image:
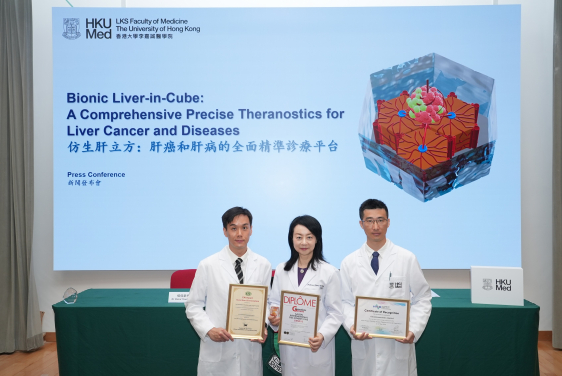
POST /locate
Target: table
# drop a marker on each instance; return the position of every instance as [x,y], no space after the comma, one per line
[137,332]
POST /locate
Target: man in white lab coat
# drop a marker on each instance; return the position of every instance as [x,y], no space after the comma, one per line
[206,305]
[384,270]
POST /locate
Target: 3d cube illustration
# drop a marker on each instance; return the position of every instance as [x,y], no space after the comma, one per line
[429,125]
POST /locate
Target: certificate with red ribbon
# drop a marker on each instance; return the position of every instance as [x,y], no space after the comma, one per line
[299,318]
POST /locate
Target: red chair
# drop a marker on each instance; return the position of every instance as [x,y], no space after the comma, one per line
[182,279]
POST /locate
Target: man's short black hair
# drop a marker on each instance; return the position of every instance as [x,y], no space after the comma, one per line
[372,204]
[234,212]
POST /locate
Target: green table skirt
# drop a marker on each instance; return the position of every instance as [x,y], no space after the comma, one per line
[137,332]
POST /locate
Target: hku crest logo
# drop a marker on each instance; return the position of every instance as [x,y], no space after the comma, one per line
[71,28]
[487,284]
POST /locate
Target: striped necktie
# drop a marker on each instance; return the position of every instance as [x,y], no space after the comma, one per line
[238,270]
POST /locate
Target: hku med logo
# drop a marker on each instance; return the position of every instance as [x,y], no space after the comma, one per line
[503,284]
[71,28]
[98,28]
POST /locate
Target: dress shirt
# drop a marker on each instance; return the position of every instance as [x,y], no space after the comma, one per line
[233,259]
[380,251]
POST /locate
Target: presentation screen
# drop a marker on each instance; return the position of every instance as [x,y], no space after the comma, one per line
[165,118]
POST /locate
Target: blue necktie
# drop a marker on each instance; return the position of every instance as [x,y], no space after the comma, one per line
[375,262]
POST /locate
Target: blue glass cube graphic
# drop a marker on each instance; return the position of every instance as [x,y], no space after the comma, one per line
[457,167]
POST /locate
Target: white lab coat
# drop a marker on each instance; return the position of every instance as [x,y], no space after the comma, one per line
[210,290]
[380,356]
[324,281]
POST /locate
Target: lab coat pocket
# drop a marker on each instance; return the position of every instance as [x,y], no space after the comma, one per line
[210,351]
[402,350]
[314,289]
[397,287]
[358,349]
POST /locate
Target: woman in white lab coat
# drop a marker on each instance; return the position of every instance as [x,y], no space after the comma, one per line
[308,272]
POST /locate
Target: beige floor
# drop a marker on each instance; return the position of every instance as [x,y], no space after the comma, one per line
[44,362]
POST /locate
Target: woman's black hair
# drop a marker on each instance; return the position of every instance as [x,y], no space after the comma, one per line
[315,228]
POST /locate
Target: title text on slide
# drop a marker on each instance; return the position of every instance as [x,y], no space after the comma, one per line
[264,146]
[186,130]
[245,114]
[171,97]
[134,98]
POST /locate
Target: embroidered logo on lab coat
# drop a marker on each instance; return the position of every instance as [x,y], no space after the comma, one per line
[320,286]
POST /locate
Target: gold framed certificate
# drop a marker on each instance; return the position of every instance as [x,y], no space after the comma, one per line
[247,305]
[299,318]
[382,317]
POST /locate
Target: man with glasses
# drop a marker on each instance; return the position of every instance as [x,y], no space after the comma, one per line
[382,269]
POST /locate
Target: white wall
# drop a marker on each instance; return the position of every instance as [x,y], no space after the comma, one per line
[536,154]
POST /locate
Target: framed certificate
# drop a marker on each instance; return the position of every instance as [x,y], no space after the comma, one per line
[247,305]
[384,318]
[299,318]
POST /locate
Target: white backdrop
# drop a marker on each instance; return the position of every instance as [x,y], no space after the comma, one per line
[536,154]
